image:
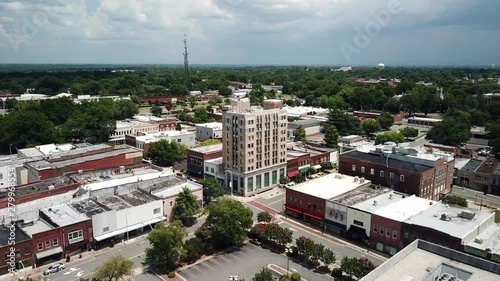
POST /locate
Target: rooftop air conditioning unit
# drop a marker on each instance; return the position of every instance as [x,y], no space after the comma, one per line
[390,196]
[361,180]
[356,179]
[445,217]
[375,203]
[478,240]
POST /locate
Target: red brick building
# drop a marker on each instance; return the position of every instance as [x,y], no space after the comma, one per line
[365,115]
[300,159]
[196,158]
[404,170]
[23,248]
[161,100]
[167,124]
[457,151]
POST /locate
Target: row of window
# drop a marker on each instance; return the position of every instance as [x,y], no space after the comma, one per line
[380,229]
[381,173]
[48,244]
[309,205]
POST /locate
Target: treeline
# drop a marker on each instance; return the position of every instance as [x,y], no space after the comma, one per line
[61,120]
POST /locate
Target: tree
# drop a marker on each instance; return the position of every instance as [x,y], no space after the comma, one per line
[186,206]
[264,217]
[135,99]
[371,126]
[178,90]
[114,269]
[327,165]
[192,102]
[225,91]
[200,115]
[344,123]
[10,103]
[167,246]
[210,142]
[453,130]
[300,134]
[169,105]
[348,265]
[304,245]
[211,189]
[362,267]
[194,248]
[331,136]
[156,110]
[265,274]
[328,257]
[317,251]
[409,132]
[389,137]
[295,277]
[456,200]
[165,153]
[284,180]
[125,109]
[178,127]
[228,222]
[300,178]
[385,120]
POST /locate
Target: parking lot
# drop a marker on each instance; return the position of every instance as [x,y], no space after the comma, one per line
[243,263]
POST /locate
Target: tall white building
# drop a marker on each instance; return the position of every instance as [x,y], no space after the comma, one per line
[254,145]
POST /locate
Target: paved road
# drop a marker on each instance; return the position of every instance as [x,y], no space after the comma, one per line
[476,196]
[244,263]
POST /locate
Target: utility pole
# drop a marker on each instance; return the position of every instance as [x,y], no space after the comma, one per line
[186,65]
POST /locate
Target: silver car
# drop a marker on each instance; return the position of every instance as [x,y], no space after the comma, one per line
[54,268]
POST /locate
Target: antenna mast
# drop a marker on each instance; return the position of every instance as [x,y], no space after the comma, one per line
[186,64]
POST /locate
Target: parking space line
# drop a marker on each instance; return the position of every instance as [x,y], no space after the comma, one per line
[195,267]
[205,264]
[190,274]
[214,260]
[225,259]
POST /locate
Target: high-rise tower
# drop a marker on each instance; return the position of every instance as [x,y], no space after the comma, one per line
[186,64]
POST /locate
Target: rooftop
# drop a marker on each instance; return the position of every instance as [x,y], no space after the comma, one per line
[405,208]
[360,194]
[151,137]
[40,186]
[488,166]
[63,215]
[173,185]
[87,207]
[208,148]
[382,200]
[472,165]
[36,227]
[425,119]
[213,125]
[63,150]
[136,198]
[449,219]
[215,161]
[5,234]
[351,138]
[130,123]
[425,261]
[488,239]
[478,130]
[44,164]
[461,162]
[305,123]
[389,161]
[329,186]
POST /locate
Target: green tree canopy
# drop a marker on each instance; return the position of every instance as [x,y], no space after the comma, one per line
[409,132]
[385,120]
[265,274]
[210,142]
[390,136]
[165,153]
[156,110]
[211,189]
[371,126]
[456,200]
[186,206]
[167,246]
[300,134]
[264,217]
[114,269]
[331,136]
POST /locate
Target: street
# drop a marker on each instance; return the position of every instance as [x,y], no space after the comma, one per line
[476,196]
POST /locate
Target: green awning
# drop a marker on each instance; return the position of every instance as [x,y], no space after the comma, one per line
[48,253]
[304,170]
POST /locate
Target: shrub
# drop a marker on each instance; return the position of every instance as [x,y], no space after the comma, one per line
[337,272]
[295,277]
[194,249]
[171,274]
[284,278]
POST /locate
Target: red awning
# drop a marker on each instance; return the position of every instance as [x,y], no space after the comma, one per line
[313,216]
[292,208]
[293,174]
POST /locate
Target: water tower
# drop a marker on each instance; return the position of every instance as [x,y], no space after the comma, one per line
[381,66]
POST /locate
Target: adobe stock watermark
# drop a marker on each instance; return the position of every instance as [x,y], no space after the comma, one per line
[29,26]
[372,28]
[11,226]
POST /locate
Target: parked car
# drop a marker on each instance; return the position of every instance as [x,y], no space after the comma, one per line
[54,268]
[291,183]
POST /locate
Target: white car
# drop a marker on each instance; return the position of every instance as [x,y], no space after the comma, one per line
[54,268]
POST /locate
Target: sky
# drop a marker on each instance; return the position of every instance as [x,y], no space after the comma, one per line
[257,32]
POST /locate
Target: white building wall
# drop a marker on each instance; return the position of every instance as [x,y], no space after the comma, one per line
[361,216]
[334,157]
[119,220]
[207,132]
[336,212]
[478,229]
[212,169]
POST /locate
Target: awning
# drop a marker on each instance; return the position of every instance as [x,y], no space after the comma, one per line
[49,253]
[293,174]
[128,229]
[316,217]
[304,170]
[317,167]
[357,232]
[293,209]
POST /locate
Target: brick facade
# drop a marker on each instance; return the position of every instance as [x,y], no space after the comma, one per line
[388,234]
[305,206]
[413,232]
[196,160]
[42,194]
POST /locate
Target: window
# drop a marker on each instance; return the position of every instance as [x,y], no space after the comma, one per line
[212,170]
[381,174]
[372,171]
[47,244]
[156,211]
[77,235]
[55,242]
[387,232]
[358,223]
[206,168]
[381,228]
[354,168]
[391,175]
[171,203]
[394,234]
[362,169]
[266,179]
[374,228]
[275,177]
[40,246]
[402,177]
[250,184]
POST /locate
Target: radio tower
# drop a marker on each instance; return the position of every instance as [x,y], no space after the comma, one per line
[186,64]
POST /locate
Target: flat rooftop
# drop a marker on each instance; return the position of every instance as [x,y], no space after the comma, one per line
[136,198]
[360,195]
[121,181]
[490,239]
[216,161]
[208,148]
[213,125]
[37,227]
[88,207]
[472,165]
[171,185]
[328,186]
[130,123]
[425,119]
[424,261]
[456,226]
[44,164]
[5,234]
[64,215]
[390,161]
[40,186]
[461,162]
[382,201]
[306,123]
[162,135]
[488,166]
[405,208]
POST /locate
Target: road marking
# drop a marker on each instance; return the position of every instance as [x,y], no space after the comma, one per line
[216,262]
[292,229]
[205,264]
[279,222]
[293,269]
[225,259]
[189,273]
[195,267]
[277,201]
[79,274]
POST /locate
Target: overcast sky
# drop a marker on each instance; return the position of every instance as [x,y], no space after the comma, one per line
[270,32]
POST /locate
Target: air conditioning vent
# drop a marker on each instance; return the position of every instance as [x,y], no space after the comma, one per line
[478,240]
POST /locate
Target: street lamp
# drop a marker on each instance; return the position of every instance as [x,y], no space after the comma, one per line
[288,251]
[126,221]
[233,277]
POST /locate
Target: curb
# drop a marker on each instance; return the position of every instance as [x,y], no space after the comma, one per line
[270,266]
